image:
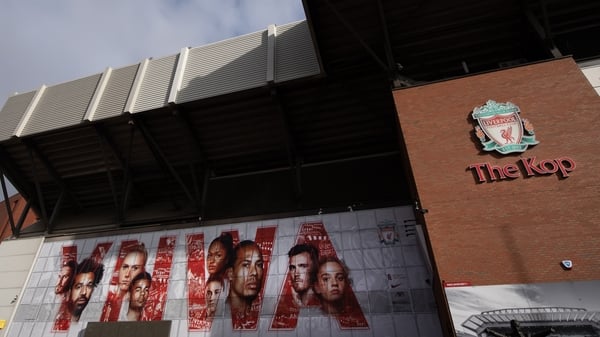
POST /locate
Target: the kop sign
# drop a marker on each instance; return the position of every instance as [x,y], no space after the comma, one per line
[502,129]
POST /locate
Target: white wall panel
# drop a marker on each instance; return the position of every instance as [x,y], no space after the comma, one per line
[14,274]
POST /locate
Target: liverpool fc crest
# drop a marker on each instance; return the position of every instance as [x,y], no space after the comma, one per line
[502,129]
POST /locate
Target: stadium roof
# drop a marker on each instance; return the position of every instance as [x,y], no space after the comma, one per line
[294,118]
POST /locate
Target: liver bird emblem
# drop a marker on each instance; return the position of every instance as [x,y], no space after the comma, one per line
[507,135]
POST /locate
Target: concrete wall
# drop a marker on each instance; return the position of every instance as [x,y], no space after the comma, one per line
[16,260]
[513,230]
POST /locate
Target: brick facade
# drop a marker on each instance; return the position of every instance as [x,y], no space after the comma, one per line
[512,230]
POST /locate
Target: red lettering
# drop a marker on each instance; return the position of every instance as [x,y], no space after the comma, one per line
[197,312]
[499,120]
[553,167]
[286,314]
[566,165]
[155,305]
[530,167]
[511,171]
[478,169]
[492,170]
[548,166]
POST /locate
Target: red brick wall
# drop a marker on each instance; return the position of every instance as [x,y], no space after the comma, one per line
[514,230]
[17,205]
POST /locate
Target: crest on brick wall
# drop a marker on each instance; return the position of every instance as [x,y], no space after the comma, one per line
[502,129]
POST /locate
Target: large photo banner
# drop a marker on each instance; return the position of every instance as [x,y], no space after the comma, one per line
[346,273]
[538,309]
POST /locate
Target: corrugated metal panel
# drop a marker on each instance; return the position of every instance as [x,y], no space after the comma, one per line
[224,67]
[11,113]
[295,55]
[116,92]
[62,105]
[154,90]
[178,77]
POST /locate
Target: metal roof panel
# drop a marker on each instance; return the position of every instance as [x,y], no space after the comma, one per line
[112,102]
[156,84]
[295,55]
[220,68]
[62,105]
[12,112]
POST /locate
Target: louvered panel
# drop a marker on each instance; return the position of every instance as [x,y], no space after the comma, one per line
[116,92]
[154,91]
[62,105]
[295,55]
[225,67]
[11,113]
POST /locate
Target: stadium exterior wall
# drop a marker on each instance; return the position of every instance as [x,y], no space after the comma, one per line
[389,294]
[493,230]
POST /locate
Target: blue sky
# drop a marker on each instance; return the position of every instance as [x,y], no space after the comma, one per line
[47,42]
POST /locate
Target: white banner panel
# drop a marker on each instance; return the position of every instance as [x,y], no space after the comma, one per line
[357,273]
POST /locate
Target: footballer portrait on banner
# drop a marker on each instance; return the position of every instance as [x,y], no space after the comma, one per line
[207,282]
[76,283]
[231,282]
[223,278]
[130,263]
[316,277]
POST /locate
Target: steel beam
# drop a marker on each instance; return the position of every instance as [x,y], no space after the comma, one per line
[184,123]
[294,159]
[102,140]
[9,210]
[543,31]
[161,159]
[38,189]
[360,40]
